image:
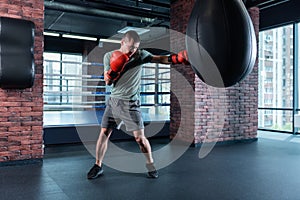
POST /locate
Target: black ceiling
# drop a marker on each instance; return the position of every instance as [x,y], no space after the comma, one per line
[103,18]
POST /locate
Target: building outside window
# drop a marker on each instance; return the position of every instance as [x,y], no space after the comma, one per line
[276,84]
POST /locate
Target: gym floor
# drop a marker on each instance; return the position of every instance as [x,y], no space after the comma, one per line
[266,170]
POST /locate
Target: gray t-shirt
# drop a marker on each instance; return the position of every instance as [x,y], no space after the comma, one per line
[127,86]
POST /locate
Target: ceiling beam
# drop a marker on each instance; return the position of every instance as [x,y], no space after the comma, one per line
[52,5]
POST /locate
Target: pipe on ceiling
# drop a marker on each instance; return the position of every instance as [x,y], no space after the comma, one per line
[93,11]
[263,3]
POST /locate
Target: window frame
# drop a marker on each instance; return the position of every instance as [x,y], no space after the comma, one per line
[294,109]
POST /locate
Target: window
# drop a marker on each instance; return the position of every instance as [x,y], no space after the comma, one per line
[69,85]
[276,79]
[155,89]
[62,80]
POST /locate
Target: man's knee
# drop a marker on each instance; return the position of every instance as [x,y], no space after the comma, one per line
[140,139]
[137,139]
[105,133]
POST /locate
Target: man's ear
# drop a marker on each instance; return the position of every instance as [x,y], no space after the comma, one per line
[122,42]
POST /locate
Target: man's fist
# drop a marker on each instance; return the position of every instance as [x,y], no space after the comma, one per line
[117,64]
[180,58]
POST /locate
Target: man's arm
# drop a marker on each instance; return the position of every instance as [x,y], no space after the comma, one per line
[106,60]
[107,80]
[180,58]
[160,59]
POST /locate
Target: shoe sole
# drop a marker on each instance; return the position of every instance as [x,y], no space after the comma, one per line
[153,177]
[97,175]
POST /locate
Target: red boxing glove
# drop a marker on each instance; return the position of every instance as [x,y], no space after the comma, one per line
[117,64]
[180,58]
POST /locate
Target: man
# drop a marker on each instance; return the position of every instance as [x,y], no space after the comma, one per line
[122,70]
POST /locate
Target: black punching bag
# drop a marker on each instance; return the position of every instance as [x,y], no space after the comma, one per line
[16,53]
[221,42]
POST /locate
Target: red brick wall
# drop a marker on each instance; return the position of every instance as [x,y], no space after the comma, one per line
[182,105]
[21,111]
[210,114]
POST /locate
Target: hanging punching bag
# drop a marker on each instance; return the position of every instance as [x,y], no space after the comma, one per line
[221,42]
[16,53]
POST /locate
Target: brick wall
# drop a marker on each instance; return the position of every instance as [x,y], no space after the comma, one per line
[21,111]
[210,114]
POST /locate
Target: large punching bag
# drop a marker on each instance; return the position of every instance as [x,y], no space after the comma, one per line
[16,53]
[221,42]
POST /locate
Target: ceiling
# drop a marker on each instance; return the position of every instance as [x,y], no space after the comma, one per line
[103,18]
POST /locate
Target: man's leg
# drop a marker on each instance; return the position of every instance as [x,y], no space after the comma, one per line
[146,149]
[143,144]
[101,148]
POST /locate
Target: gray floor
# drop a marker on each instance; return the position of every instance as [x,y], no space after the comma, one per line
[266,169]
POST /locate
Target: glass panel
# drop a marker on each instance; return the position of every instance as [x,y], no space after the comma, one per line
[156,112]
[63,75]
[148,79]
[276,68]
[164,111]
[164,72]
[148,86]
[52,78]
[280,120]
[298,64]
[51,56]
[155,79]
[164,86]
[164,99]
[72,69]
[147,99]
[148,71]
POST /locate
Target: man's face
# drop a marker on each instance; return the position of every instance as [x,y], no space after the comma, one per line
[130,46]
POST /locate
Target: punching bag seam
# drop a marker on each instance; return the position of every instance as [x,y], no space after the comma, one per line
[199,48]
[228,38]
[252,42]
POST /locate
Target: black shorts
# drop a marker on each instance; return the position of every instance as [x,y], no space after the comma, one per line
[118,110]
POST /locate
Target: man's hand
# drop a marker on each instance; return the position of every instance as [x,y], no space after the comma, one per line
[107,80]
[180,58]
[118,61]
